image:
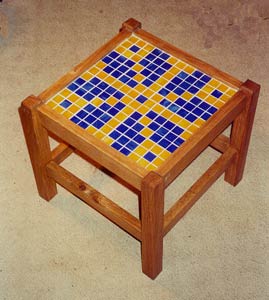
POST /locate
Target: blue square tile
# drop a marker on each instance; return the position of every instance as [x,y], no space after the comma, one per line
[176,80]
[129,63]
[153,126]
[147,82]
[164,143]
[114,64]
[178,141]
[166,66]
[121,58]
[174,108]
[199,84]
[116,74]
[122,69]
[87,86]
[216,93]
[129,121]
[141,99]
[150,57]
[107,59]
[155,137]
[131,145]
[180,102]
[97,112]
[193,90]
[110,90]
[102,85]
[172,148]
[165,102]
[195,100]
[114,134]
[212,110]
[95,80]
[160,120]
[203,105]
[65,103]
[188,106]
[149,156]
[123,140]
[205,78]
[190,79]
[139,138]
[80,92]
[116,146]
[164,92]
[197,111]
[98,124]
[159,71]
[177,130]
[122,128]
[191,117]
[134,48]
[182,75]
[82,114]
[144,62]
[108,69]
[185,85]
[138,127]
[170,136]
[132,83]
[130,133]
[72,87]
[89,108]
[113,54]
[80,81]
[124,78]
[96,91]
[170,86]
[83,125]
[145,72]
[113,111]
[152,67]
[158,61]
[197,74]
[131,73]
[205,116]
[104,96]
[125,151]
[105,107]
[118,95]
[154,77]
[178,91]
[156,51]
[169,125]
[182,112]
[162,131]
[119,105]
[136,116]
[164,56]
[75,120]
[151,114]
[105,118]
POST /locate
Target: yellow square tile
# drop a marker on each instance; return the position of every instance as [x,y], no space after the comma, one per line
[99,134]
[218,104]
[230,92]
[128,110]
[136,58]
[125,89]
[73,108]
[93,70]
[134,104]
[165,154]
[91,129]
[157,97]
[151,167]
[110,79]
[184,123]
[120,116]
[142,52]
[158,108]
[143,109]
[202,95]
[141,43]
[73,98]
[149,47]
[102,75]
[172,60]
[199,122]
[81,102]
[96,102]
[161,81]
[147,93]
[143,162]
[108,140]
[223,87]
[168,75]
[192,128]
[147,143]
[172,96]
[86,76]
[65,92]
[156,149]
[113,123]
[133,94]
[57,98]
[100,64]
[140,151]
[185,135]
[186,95]
[58,109]
[167,114]
[106,129]
[149,103]
[128,53]
[137,68]
[224,97]
[67,114]
[111,100]
[214,82]
[189,69]
[155,87]
[140,88]
[158,161]
[181,65]
[126,44]
[138,77]
[145,120]
[174,70]
[207,89]
[126,100]
[134,156]
[117,84]
[120,49]
[51,104]
[175,119]
[210,99]
[133,39]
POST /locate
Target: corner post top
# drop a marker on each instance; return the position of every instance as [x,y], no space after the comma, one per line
[131,25]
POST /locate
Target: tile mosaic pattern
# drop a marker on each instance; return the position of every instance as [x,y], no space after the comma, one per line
[141,101]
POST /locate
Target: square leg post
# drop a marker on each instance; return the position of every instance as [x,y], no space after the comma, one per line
[152,220]
[241,132]
[37,141]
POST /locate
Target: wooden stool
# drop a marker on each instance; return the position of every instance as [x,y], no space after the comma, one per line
[144,110]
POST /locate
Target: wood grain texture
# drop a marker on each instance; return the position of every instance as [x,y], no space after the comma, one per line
[241,132]
[92,147]
[131,25]
[37,141]
[179,209]
[152,213]
[61,152]
[96,200]
[191,148]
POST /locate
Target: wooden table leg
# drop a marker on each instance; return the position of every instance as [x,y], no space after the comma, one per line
[241,132]
[37,142]
[152,216]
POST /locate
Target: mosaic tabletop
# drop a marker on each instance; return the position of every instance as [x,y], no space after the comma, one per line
[142,101]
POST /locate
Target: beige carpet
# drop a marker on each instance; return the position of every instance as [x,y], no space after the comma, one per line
[63,249]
